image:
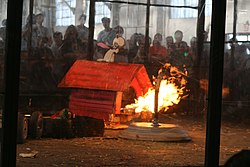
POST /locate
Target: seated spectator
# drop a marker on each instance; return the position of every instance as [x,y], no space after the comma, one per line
[193,54]
[180,45]
[134,45]
[157,52]
[158,37]
[180,56]
[57,44]
[42,65]
[122,55]
[58,64]
[170,42]
[236,70]
[71,42]
[140,55]
[114,51]
[157,56]
[71,49]
[44,49]
[119,31]
[193,48]
[170,47]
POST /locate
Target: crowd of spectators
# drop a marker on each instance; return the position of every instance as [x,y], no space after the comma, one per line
[56,52]
[61,50]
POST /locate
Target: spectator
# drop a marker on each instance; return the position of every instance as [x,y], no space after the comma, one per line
[83,32]
[170,47]
[2,47]
[157,52]
[3,30]
[122,55]
[119,31]
[205,57]
[29,32]
[2,39]
[157,56]
[158,37]
[140,54]
[44,52]
[180,45]
[193,50]
[106,36]
[104,39]
[57,44]
[180,56]
[71,47]
[41,30]
[41,76]
[205,36]
[170,42]
[58,65]
[235,70]
[71,42]
[134,45]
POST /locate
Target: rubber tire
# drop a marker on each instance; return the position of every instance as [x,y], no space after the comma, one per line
[88,127]
[36,125]
[57,128]
[95,128]
[22,129]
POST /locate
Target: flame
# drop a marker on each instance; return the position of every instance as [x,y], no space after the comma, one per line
[171,91]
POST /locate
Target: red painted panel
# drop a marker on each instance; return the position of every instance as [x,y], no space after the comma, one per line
[92,103]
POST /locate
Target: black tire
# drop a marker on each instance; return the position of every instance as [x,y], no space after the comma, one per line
[47,127]
[95,127]
[22,129]
[36,125]
[88,127]
[79,126]
[57,128]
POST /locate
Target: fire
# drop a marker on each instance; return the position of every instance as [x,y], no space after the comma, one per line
[171,90]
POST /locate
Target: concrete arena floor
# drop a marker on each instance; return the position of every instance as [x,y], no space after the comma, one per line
[111,150]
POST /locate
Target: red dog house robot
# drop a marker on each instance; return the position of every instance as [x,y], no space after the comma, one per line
[101,89]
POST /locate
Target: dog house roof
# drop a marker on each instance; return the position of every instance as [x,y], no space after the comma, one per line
[107,76]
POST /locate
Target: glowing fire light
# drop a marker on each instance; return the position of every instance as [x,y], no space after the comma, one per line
[171,91]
